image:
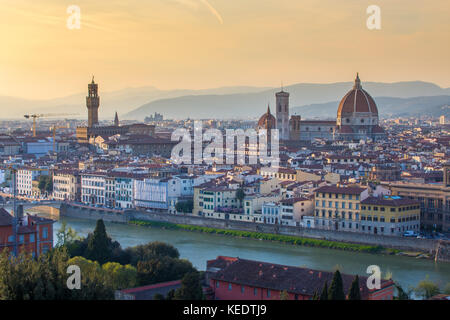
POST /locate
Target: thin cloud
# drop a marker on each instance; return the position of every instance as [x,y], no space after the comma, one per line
[194,4]
[213,10]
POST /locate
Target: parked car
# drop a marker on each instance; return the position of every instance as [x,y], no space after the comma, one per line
[410,233]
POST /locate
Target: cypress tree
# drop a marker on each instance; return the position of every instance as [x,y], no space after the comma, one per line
[336,291]
[354,292]
[191,288]
[315,296]
[324,294]
[99,246]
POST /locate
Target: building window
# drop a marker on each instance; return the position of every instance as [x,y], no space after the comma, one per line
[217,284]
[230,287]
[255,291]
[268,293]
[242,289]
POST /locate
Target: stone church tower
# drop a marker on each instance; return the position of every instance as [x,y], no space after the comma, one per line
[92,103]
[282,114]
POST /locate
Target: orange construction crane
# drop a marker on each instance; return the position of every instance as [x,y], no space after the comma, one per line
[35,116]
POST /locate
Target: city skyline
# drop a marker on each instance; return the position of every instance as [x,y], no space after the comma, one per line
[199,44]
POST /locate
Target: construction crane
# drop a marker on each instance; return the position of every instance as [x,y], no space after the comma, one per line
[36,116]
[53,128]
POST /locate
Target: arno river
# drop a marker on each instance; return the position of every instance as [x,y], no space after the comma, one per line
[200,247]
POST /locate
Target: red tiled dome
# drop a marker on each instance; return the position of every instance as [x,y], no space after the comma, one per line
[357,100]
[267,121]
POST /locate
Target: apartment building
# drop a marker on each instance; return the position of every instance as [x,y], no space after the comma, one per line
[338,208]
[35,234]
[25,178]
[434,199]
[93,188]
[67,185]
[389,215]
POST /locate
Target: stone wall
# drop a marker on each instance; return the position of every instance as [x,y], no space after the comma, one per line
[83,212]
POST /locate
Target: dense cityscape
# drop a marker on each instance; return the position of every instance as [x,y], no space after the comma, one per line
[215,159]
[356,183]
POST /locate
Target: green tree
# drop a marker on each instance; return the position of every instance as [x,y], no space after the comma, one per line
[44,278]
[150,251]
[99,247]
[95,284]
[42,183]
[240,195]
[170,295]
[120,276]
[336,290]
[447,288]
[284,295]
[162,269]
[49,185]
[427,288]
[158,296]
[45,184]
[65,235]
[354,292]
[191,288]
[324,293]
[184,206]
[315,296]
[401,294]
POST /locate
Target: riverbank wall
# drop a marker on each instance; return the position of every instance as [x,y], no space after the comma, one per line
[91,213]
[407,244]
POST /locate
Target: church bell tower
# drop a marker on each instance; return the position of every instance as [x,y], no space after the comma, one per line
[282,114]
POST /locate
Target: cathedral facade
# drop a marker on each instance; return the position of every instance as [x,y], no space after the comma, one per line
[357,119]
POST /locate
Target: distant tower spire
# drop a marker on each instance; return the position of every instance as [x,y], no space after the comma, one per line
[357,82]
[268,108]
[116,120]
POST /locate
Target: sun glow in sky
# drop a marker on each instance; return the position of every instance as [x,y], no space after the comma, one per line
[197,44]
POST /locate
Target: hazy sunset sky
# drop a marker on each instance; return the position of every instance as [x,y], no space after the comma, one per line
[198,44]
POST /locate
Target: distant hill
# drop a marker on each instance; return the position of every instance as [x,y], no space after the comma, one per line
[314,99]
[122,101]
[224,102]
[387,106]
